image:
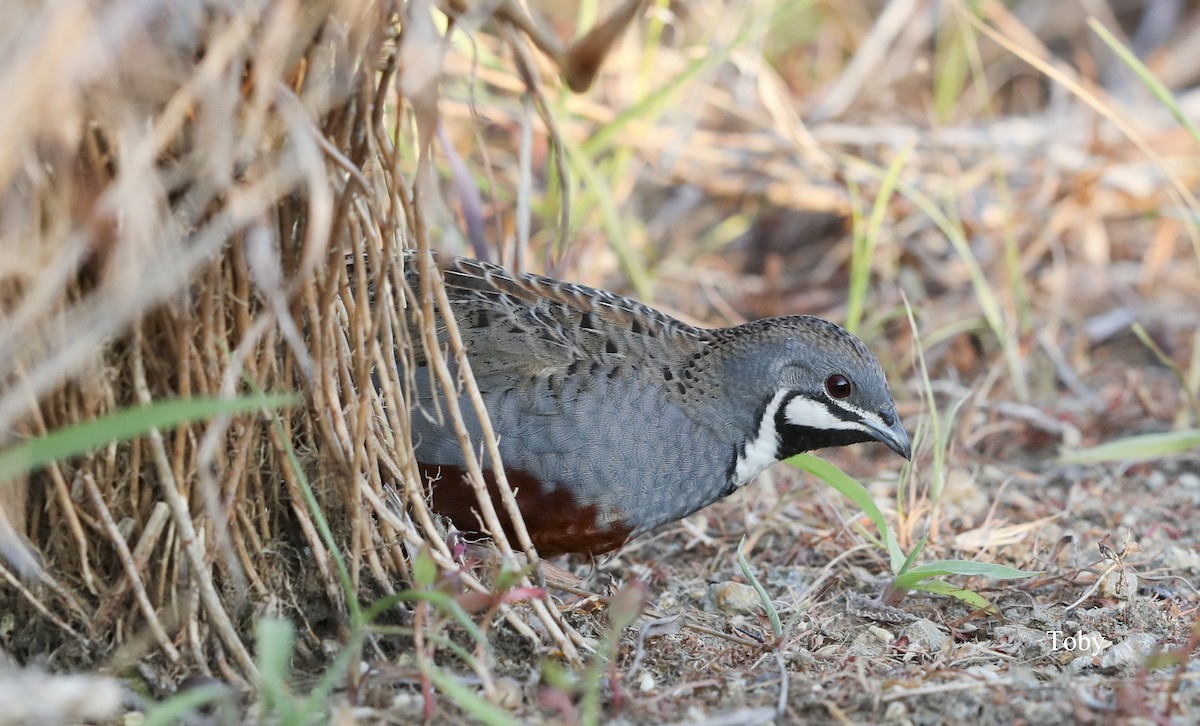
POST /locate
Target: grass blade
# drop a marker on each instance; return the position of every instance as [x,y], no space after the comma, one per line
[940,568]
[970,597]
[178,708]
[275,638]
[772,613]
[865,244]
[1146,446]
[128,423]
[469,701]
[855,492]
[440,600]
[1147,77]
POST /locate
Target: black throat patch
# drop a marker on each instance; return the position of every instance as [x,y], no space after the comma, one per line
[795,439]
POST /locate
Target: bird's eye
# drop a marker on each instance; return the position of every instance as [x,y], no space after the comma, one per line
[838,386]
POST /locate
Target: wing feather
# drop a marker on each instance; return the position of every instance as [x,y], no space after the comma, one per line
[535,326]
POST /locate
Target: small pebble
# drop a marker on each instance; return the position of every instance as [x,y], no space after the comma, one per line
[867,644]
[883,636]
[1119,584]
[925,636]
[1181,558]
[1131,652]
[1092,643]
[734,598]
[1188,480]
[646,682]
[508,693]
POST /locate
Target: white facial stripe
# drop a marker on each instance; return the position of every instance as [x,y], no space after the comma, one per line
[763,449]
[803,411]
[872,418]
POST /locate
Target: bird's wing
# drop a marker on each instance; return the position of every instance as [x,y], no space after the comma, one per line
[532,325]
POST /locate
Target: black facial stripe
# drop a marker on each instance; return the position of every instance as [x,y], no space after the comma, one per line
[843,414]
[835,410]
[781,412]
[796,439]
[739,449]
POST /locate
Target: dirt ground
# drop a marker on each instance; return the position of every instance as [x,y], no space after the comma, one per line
[1105,632]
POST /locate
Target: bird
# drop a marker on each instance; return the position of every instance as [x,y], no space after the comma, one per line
[613,419]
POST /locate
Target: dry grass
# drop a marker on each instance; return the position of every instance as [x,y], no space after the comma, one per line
[175,210]
[178,212]
[180,191]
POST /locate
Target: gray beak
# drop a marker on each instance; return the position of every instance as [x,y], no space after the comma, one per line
[894,436]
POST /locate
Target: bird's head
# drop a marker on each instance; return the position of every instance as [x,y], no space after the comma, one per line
[825,389]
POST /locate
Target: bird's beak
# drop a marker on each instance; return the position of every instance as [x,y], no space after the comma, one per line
[894,436]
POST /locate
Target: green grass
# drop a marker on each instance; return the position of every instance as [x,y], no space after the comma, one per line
[176,709]
[1189,380]
[866,240]
[1137,448]
[624,607]
[127,424]
[768,605]
[906,576]
[1147,77]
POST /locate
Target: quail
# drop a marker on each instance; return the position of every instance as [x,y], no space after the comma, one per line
[613,418]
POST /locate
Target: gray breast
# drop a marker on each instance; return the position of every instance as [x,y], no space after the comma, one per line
[614,443]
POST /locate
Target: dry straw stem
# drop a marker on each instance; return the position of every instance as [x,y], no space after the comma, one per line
[180,189]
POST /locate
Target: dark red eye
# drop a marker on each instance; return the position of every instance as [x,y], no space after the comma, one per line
[838,386]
